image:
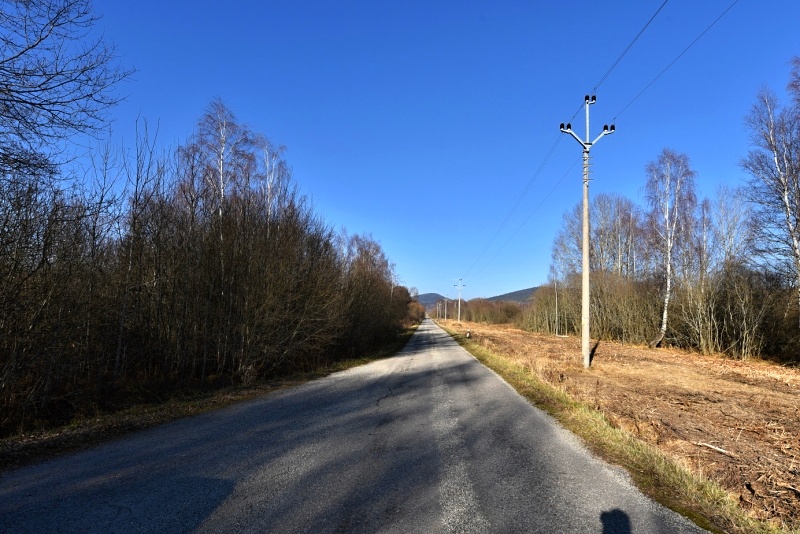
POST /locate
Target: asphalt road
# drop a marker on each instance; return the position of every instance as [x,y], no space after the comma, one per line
[426,441]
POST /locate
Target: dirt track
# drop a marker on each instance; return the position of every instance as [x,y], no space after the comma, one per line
[735,422]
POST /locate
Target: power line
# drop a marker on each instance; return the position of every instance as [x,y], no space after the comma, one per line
[622,55]
[532,213]
[516,204]
[637,96]
[674,60]
[536,208]
[555,144]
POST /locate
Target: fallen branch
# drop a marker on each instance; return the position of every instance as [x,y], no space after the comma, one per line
[713,448]
[787,486]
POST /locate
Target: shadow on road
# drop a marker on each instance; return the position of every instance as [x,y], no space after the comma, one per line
[171,503]
[615,522]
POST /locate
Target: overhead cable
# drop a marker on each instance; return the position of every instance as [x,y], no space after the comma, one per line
[552,149]
[626,106]
[622,55]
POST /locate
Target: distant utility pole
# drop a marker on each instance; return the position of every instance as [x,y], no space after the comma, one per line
[587,145]
[445,310]
[459,285]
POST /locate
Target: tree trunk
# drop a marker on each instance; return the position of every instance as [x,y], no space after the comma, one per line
[667,291]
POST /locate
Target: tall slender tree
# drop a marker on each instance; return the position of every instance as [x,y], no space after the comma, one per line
[774,185]
[670,192]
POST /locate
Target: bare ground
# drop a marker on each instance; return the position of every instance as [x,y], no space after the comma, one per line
[735,422]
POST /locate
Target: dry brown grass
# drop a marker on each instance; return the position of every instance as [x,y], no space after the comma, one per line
[733,422]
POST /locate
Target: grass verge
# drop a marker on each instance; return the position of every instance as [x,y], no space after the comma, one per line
[655,474]
[25,449]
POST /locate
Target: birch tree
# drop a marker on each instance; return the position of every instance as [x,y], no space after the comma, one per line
[670,193]
[774,186]
[698,294]
[615,232]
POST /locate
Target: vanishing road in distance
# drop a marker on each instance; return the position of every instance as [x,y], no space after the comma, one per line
[427,441]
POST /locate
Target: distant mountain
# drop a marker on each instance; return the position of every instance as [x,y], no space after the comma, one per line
[522,296]
[429,300]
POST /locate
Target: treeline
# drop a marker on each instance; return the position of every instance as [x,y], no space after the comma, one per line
[487,311]
[201,266]
[715,275]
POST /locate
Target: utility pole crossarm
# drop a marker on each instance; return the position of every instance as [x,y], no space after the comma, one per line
[568,129]
[606,131]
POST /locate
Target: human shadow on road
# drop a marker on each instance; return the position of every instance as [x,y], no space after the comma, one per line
[615,522]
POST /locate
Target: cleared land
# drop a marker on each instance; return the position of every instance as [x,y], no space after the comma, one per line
[734,422]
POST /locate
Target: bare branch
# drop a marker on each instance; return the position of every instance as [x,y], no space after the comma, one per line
[53,83]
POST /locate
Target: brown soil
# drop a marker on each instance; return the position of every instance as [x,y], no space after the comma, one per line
[735,422]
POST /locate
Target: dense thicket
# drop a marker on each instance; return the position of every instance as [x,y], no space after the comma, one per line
[487,311]
[718,275]
[201,266]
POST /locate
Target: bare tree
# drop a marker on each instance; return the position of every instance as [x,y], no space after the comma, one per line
[774,187]
[794,79]
[615,234]
[275,175]
[743,296]
[732,228]
[670,192]
[697,291]
[53,83]
[143,174]
[566,255]
[618,259]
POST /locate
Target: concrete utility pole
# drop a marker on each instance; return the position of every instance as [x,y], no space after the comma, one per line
[445,310]
[459,285]
[587,145]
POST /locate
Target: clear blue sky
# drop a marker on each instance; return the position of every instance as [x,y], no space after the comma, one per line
[422,122]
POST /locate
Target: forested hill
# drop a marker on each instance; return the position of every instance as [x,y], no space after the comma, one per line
[522,296]
[429,300]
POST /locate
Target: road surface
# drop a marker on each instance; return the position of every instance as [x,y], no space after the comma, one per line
[427,441]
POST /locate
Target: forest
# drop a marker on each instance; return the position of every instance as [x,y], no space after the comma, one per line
[147,270]
[205,267]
